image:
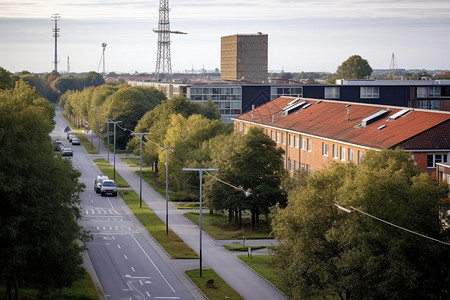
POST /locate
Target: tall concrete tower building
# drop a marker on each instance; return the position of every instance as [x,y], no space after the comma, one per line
[244,56]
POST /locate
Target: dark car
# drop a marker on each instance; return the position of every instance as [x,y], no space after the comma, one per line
[67,152]
[67,129]
[108,188]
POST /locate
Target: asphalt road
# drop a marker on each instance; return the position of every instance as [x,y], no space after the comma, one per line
[128,264]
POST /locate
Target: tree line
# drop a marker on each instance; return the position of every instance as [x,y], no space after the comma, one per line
[41,242]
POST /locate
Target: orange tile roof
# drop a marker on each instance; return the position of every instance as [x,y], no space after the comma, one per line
[328,119]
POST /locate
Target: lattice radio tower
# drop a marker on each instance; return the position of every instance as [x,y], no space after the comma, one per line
[55,18]
[163,60]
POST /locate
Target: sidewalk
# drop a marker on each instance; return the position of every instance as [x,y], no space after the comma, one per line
[227,265]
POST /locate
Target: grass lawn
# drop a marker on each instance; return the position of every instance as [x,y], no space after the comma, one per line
[222,290]
[261,264]
[171,242]
[218,227]
[108,170]
[87,143]
[243,248]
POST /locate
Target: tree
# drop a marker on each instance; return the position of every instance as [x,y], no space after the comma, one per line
[324,251]
[355,67]
[158,119]
[186,136]
[254,162]
[38,222]
[6,79]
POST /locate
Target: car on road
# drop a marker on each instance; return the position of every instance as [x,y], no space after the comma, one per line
[108,187]
[70,132]
[71,137]
[76,141]
[67,128]
[58,145]
[67,152]
[98,182]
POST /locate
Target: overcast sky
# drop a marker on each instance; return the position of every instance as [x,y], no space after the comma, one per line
[304,35]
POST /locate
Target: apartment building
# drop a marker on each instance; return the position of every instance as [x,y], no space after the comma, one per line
[316,132]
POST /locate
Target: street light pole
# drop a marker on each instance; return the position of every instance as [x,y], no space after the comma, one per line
[167,187]
[140,154]
[114,122]
[200,220]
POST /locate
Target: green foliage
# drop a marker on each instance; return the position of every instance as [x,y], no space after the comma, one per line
[325,251]
[186,136]
[158,119]
[39,206]
[6,79]
[355,67]
[251,161]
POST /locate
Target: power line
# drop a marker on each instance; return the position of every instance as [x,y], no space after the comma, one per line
[389,223]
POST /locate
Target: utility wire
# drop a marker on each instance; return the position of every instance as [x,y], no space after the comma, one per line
[240,188]
[410,231]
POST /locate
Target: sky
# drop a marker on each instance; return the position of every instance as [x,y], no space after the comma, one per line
[304,35]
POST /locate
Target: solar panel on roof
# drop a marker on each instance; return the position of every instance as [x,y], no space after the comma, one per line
[374,117]
[399,114]
[295,107]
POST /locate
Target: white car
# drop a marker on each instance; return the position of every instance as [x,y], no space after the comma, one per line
[98,182]
[108,188]
[76,141]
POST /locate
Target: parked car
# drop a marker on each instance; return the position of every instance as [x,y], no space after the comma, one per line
[76,141]
[71,137]
[67,128]
[58,145]
[67,152]
[98,182]
[70,132]
[108,187]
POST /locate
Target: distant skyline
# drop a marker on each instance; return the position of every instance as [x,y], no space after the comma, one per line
[304,35]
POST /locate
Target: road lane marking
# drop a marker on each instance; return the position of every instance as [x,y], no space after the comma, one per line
[133,269]
[118,246]
[125,256]
[148,257]
[148,294]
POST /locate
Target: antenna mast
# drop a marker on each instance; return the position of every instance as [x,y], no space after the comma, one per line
[163,60]
[393,66]
[55,18]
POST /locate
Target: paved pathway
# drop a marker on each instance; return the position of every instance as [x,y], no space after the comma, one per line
[226,264]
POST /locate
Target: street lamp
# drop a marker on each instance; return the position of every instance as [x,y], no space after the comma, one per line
[200,220]
[140,154]
[167,186]
[114,122]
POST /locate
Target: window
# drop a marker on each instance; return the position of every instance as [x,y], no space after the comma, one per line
[309,143]
[277,137]
[428,92]
[303,141]
[335,152]
[283,138]
[332,92]
[296,141]
[324,149]
[289,164]
[361,156]
[369,92]
[291,140]
[350,155]
[433,159]
[342,153]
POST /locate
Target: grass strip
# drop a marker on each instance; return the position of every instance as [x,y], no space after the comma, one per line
[217,226]
[157,228]
[243,248]
[108,170]
[221,291]
[87,144]
[262,265]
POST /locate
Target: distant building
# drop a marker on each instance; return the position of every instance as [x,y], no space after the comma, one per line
[235,97]
[314,133]
[244,57]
